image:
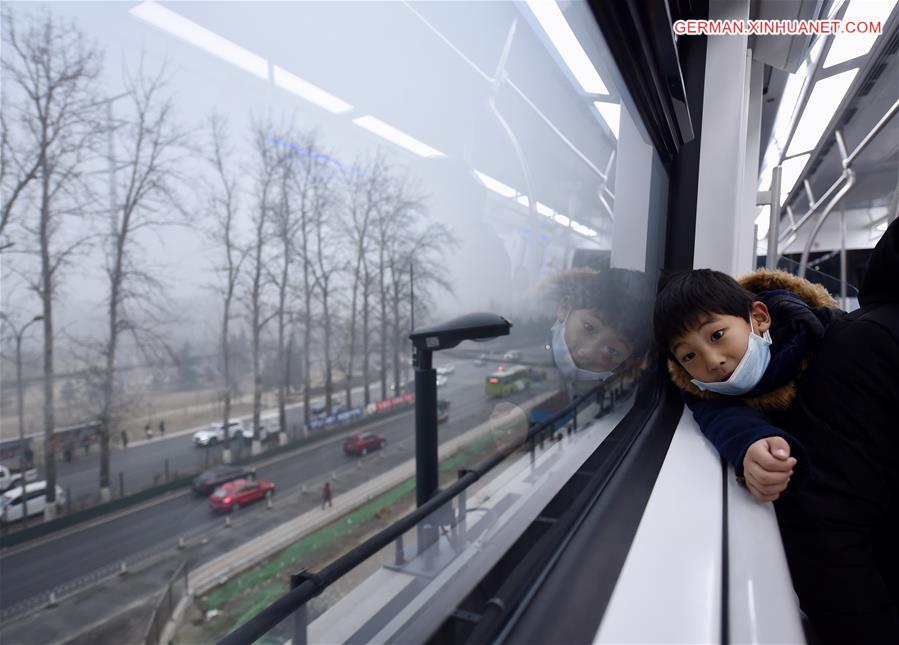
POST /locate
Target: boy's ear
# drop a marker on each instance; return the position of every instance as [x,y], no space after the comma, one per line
[564,308]
[761,317]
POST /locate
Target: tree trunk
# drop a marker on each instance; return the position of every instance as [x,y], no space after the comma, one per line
[365,348]
[396,332]
[383,293]
[47,298]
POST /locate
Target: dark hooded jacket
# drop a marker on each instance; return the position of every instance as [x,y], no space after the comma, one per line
[801,312]
[840,528]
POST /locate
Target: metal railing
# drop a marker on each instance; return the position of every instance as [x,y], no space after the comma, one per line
[307,585]
[175,590]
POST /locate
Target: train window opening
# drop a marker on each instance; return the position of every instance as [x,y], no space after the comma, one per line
[240,233]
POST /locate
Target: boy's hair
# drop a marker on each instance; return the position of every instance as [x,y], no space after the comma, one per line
[686,296]
[623,298]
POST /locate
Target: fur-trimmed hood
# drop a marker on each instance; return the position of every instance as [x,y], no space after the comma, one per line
[814,295]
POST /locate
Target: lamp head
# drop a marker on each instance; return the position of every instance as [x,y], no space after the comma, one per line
[477,326]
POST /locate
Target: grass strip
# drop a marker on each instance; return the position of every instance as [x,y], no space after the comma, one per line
[263,584]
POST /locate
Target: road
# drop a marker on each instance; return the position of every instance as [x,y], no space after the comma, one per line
[30,572]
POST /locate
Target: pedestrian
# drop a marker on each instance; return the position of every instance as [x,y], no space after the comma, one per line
[148,431]
[124,439]
[326,495]
[86,444]
[161,428]
[29,458]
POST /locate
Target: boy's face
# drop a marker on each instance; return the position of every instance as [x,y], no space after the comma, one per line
[711,351]
[593,344]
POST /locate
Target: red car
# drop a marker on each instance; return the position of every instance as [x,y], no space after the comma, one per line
[240,492]
[363,443]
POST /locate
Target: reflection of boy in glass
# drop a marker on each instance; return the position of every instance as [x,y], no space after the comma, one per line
[603,320]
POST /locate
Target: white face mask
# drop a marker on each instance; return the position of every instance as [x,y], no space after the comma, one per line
[748,372]
[565,362]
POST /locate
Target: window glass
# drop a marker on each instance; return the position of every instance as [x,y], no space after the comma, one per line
[249,206]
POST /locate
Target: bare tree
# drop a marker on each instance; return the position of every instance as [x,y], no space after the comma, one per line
[224,207]
[265,181]
[152,143]
[54,69]
[405,239]
[286,223]
[19,166]
[362,198]
[325,264]
[304,187]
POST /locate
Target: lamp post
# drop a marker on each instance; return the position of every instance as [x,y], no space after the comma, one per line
[20,393]
[426,341]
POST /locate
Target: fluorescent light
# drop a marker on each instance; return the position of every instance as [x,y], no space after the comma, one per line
[495,185]
[611,114]
[566,43]
[395,136]
[787,107]
[545,210]
[789,174]
[848,46]
[523,200]
[586,231]
[826,96]
[296,85]
[198,36]
[561,219]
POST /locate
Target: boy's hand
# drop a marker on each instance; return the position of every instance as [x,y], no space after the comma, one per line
[767,468]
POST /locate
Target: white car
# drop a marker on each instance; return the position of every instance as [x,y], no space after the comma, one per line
[11,478]
[441,380]
[216,433]
[11,501]
[512,355]
[446,370]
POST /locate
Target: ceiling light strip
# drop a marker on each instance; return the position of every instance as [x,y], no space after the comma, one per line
[395,136]
[566,43]
[200,37]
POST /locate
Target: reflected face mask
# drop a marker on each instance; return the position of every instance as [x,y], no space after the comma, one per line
[748,372]
[564,361]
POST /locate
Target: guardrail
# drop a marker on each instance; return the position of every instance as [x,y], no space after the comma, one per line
[166,605]
[307,585]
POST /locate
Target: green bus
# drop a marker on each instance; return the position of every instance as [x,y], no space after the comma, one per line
[508,381]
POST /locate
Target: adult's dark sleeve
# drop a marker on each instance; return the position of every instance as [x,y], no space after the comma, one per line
[732,426]
[881,282]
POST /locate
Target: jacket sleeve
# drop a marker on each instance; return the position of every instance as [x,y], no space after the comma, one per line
[732,426]
[880,284]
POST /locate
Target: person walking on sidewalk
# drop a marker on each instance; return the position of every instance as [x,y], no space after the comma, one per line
[326,495]
[161,428]
[148,431]
[124,439]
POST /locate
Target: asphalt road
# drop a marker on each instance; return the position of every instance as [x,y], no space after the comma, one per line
[32,571]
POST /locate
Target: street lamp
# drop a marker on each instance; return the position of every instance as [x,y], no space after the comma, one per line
[426,341]
[21,398]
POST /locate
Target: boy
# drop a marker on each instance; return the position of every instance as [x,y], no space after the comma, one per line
[602,321]
[784,384]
